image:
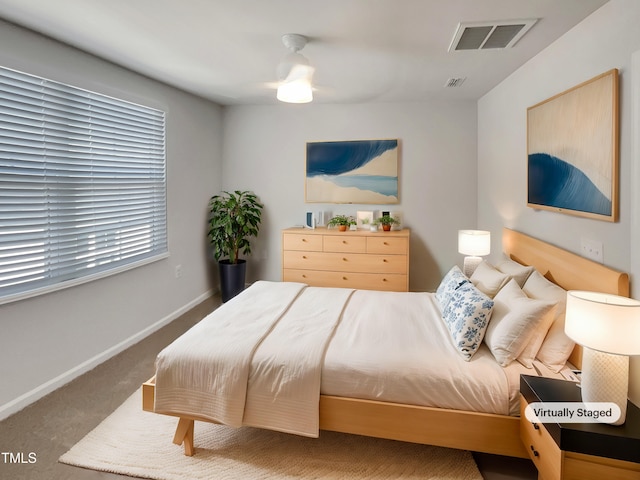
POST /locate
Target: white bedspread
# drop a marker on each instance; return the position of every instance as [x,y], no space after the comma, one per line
[204,373]
[263,358]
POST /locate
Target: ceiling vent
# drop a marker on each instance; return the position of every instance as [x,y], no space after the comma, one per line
[455,82]
[485,35]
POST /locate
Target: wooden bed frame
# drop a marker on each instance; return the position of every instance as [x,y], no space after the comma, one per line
[480,432]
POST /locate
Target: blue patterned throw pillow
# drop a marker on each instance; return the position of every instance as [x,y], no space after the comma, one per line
[467,316]
[449,284]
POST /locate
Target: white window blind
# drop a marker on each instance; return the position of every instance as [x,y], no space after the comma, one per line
[82,185]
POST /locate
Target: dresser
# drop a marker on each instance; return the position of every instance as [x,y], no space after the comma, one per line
[353,259]
[577,451]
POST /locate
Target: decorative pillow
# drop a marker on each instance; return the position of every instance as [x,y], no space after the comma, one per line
[489,280]
[466,316]
[515,270]
[514,321]
[450,283]
[556,346]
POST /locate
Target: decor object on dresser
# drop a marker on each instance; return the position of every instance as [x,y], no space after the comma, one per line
[609,326]
[234,219]
[353,259]
[572,148]
[358,171]
[475,244]
[386,221]
[343,222]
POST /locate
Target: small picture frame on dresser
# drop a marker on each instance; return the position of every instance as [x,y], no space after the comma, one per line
[364,219]
[398,216]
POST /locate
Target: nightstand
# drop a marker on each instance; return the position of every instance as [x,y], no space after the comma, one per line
[577,451]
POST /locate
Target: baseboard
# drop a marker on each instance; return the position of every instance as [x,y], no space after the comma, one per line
[40,391]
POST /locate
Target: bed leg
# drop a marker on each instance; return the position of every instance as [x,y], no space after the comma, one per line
[184,434]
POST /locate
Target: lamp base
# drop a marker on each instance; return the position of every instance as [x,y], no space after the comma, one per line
[605,378]
[470,265]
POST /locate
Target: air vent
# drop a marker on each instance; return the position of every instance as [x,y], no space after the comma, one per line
[485,35]
[455,82]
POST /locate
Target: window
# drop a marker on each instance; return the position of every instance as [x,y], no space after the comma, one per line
[82,185]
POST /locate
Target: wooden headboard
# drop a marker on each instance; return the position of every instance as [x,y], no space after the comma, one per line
[570,271]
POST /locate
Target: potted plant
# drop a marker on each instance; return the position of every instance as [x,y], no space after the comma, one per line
[234,218]
[386,221]
[342,222]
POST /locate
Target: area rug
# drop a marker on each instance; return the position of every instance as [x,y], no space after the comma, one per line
[139,444]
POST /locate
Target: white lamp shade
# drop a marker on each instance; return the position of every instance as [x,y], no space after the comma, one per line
[603,322]
[296,91]
[476,243]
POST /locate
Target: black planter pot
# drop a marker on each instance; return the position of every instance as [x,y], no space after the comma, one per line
[232,276]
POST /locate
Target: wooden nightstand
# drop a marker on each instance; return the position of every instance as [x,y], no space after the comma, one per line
[577,451]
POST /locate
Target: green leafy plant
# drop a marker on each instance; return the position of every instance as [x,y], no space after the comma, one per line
[342,220]
[386,220]
[235,217]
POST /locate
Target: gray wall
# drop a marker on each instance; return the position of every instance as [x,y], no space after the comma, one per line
[264,150]
[605,40]
[47,340]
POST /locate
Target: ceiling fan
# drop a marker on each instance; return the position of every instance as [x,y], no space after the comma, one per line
[294,72]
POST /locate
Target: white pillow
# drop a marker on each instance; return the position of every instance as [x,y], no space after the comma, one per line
[557,346]
[489,280]
[467,316]
[450,283]
[515,270]
[514,321]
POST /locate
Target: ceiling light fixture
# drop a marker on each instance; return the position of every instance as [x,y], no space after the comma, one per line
[294,72]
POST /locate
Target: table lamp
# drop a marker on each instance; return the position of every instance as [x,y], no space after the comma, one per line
[475,244]
[609,327]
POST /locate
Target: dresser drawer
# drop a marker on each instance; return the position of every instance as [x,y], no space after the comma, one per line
[300,241]
[542,449]
[362,281]
[388,245]
[345,262]
[344,243]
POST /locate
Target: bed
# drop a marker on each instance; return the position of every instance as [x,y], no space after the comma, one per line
[365,407]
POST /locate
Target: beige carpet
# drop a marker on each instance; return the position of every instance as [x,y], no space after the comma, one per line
[136,443]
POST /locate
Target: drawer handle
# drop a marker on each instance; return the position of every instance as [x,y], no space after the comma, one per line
[344,259]
[304,239]
[384,260]
[345,278]
[344,241]
[304,256]
[385,243]
[535,426]
[535,452]
[304,276]
[384,279]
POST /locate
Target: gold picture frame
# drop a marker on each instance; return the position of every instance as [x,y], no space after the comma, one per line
[572,150]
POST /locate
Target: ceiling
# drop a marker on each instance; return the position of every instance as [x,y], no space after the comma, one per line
[362,50]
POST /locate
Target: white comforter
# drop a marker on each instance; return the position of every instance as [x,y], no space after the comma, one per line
[263,358]
[254,361]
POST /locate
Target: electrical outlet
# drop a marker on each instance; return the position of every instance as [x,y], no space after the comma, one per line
[592,249]
[178,271]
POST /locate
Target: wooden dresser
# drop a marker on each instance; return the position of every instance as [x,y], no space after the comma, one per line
[353,259]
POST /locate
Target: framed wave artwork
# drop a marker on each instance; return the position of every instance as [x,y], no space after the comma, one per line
[572,150]
[358,171]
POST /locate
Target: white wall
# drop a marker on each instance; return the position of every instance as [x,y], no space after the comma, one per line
[47,340]
[264,151]
[605,40]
